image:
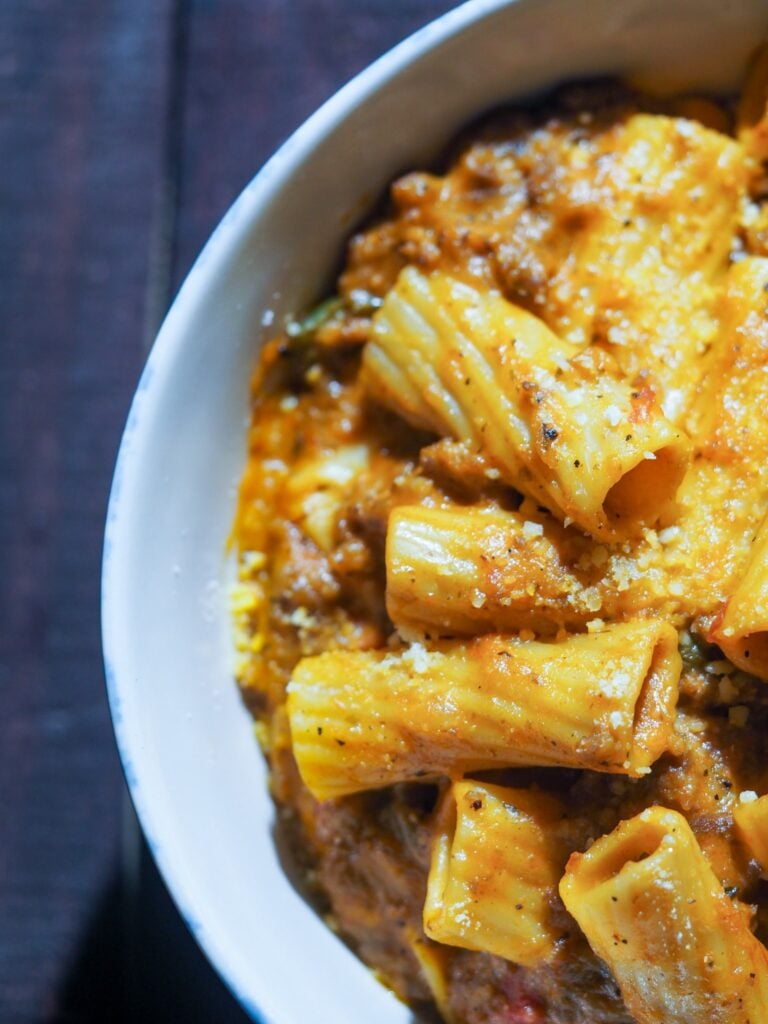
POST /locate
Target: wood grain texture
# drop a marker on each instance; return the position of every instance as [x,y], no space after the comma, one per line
[249,73]
[82,133]
[127,127]
[253,73]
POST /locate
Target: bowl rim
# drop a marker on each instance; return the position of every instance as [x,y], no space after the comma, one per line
[169,342]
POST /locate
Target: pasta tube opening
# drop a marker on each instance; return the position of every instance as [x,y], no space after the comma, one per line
[632,844]
[741,627]
[651,906]
[641,494]
[493,877]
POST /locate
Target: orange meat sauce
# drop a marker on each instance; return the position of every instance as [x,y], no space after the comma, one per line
[632,228]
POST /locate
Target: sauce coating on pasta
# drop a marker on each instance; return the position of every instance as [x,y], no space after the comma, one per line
[501,566]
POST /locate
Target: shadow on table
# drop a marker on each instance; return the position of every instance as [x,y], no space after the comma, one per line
[138,964]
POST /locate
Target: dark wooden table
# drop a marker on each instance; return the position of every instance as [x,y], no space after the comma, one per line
[126,129]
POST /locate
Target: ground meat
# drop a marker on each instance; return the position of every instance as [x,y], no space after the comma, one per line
[373,869]
[509,211]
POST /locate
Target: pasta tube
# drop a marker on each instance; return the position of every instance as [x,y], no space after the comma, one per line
[734,386]
[642,271]
[494,872]
[732,433]
[741,627]
[432,963]
[554,421]
[751,820]
[652,908]
[460,570]
[365,719]
[463,571]
[724,496]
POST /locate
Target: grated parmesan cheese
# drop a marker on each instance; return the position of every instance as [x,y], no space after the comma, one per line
[531,530]
[613,415]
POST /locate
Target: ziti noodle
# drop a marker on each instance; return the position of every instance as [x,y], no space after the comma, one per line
[502,611]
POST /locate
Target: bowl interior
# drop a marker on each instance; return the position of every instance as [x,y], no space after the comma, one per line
[195,772]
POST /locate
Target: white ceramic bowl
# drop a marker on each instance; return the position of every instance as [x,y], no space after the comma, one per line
[193,767]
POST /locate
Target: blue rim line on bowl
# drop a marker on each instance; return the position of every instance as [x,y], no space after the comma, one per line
[616,38]
[181,314]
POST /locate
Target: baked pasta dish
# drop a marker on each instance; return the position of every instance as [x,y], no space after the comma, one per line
[502,610]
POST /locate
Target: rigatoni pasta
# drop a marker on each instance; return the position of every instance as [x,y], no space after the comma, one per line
[652,908]
[651,247]
[555,421]
[458,570]
[503,571]
[741,627]
[495,864]
[751,819]
[603,701]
